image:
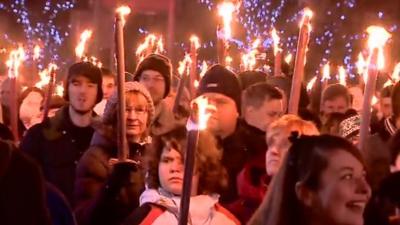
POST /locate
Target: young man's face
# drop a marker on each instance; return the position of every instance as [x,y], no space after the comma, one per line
[223,120]
[386,107]
[338,104]
[108,86]
[82,94]
[155,84]
[268,112]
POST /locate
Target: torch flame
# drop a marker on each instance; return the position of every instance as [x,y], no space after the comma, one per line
[195,41]
[374,100]
[122,12]
[311,83]
[276,39]
[342,76]
[36,52]
[361,64]
[288,58]
[14,61]
[59,90]
[160,46]
[204,68]
[228,61]
[45,75]
[226,10]
[147,45]
[80,48]
[307,16]
[203,111]
[326,72]
[196,83]
[378,37]
[395,76]
[184,65]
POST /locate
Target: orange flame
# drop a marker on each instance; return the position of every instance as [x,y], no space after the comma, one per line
[395,76]
[311,83]
[160,46]
[378,37]
[288,58]
[195,41]
[342,76]
[249,60]
[276,39]
[148,45]
[184,65]
[374,100]
[226,10]
[228,61]
[80,48]
[307,16]
[36,52]
[196,83]
[14,62]
[326,72]
[59,90]
[361,64]
[203,111]
[45,75]
[123,11]
[204,68]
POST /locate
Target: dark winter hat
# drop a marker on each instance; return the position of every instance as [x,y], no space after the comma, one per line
[248,78]
[89,71]
[220,80]
[158,63]
[350,126]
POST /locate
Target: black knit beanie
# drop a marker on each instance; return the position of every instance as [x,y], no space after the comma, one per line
[89,71]
[158,63]
[220,80]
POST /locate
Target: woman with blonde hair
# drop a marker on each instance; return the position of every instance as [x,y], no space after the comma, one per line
[278,139]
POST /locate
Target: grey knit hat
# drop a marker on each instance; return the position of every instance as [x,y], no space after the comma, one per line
[110,111]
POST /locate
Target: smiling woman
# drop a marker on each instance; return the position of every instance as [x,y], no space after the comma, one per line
[322,181]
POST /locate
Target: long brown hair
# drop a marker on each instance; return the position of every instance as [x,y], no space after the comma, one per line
[213,176]
[307,158]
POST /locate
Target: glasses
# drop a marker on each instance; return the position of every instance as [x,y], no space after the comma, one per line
[138,110]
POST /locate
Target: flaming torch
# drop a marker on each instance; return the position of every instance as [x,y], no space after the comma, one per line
[50,89]
[224,33]
[194,46]
[121,12]
[304,36]
[277,53]
[202,107]
[378,37]
[184,71]
[13,63]
[342,76]
[80,48]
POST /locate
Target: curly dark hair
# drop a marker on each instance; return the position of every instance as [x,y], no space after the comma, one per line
[212,175]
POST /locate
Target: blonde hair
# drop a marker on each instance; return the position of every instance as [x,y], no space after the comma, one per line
[290,123]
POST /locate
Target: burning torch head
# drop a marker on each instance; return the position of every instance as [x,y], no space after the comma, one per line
[89,71]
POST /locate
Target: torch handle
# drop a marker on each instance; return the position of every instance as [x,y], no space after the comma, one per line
[193,136]
[299,70]
[179,93]
[14,109]
[49,93]
[368,94]
[278,64]
[193,71]
[123,152]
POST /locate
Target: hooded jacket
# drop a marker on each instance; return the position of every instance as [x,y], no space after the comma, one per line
[160,207]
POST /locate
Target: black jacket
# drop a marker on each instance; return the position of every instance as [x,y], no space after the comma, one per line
[57,145]
[96,201]
[22,190]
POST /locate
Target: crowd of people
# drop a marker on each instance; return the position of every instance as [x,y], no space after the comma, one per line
[254,164]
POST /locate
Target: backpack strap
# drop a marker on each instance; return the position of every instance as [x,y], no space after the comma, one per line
[154,213]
